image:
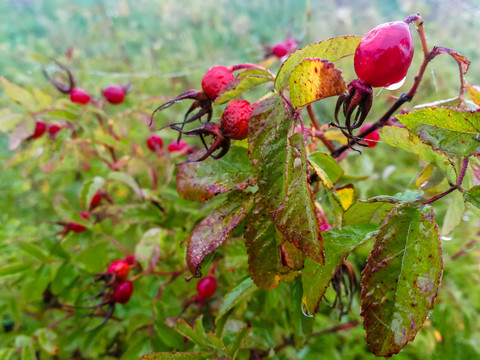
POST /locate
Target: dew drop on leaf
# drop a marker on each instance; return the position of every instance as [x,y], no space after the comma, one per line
[304,310]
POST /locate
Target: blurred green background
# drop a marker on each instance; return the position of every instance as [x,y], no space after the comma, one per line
[164,47]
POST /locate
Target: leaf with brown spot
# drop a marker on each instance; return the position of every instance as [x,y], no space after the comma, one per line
[314,79]
[264,249]
[401,278]
[215,229]
[200,181]
[282,172]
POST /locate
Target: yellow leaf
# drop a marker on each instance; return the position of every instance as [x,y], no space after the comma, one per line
[346,195]
[474,93]
[315,79]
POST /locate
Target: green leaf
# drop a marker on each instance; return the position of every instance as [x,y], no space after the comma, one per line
[14,268]
[455,210]
[126,179]
[453,131]
[89,189]
[401,278]
[94,258]
[284,187]
[185,330]
[364,212]
[148,245]
[177,356]
[330,50]
[33,250]
[200,181]
[314,79]
[234,297]
[327,164]
[302,325]
[264,249]
[239,339]
[215,229]
[245,81]
[400,137]
[18,94]
[473,196]
[9,120]
[338,244]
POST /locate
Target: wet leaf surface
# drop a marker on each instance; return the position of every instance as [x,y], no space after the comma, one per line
[282,174]
[401,279]
[330,50]
[215,229]
[314,79]
[200,181]
[264,248]
[400,137]
[328,164]
[473,196]
[450,130]
[338,244]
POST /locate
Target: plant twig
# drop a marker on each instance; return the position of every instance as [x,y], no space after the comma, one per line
[457,186]
[319,133]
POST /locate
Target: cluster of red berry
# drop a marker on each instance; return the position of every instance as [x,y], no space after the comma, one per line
[234,121]
[122,288]
[114,94]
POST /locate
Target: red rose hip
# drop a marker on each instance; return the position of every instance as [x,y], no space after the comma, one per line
[215,80]
[96,199]
[154,142]
[280,50]
[234,123]
[76,227]
[79,96]
[123,292]
[384,54]
[120,268]
[114,94]
[40,128]
[371,139]
[206,287]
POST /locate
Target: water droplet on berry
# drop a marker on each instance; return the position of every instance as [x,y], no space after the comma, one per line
[397,85]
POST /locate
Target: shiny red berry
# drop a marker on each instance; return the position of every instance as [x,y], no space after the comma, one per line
[216,79]
[371,139]
[79,96]
[280,50]
[120,268]
[130,259]
[53,129]
[96,199]
[206,287]
[40,128]
[76,227]
[114,94]
[384,55]
[179,146]
[123,292]
[234,123]
[154,142]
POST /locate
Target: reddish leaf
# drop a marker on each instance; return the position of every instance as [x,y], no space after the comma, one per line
[401,279]
[200,181]
[215,229]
